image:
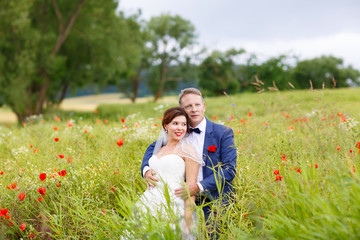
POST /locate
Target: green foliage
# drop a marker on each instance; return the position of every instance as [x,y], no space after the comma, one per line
[170,38]
[133,55]
[310,202]
[217,73]
[49,48]
[277,73]
[49,45]
[326,70]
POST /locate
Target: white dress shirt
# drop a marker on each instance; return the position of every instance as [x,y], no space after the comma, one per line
[197,141]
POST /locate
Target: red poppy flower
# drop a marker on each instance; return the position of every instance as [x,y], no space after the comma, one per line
[2,172]
[22,226]
[12,186]
[58,184]
[249,114]
[123,120]
[357,145]
[212,148]
[120,142]
[61,156]
[112,189]
[56,128]
[42,191]
[21,196]
[3,212]
[40,199]
[56,139]
[42,176]
[338,148]
[278,178]
[96,111]
[62,173]
[276,172]
[298,170]
[106,121]
[70,124]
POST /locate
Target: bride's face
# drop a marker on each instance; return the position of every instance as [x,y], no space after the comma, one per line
[176,128]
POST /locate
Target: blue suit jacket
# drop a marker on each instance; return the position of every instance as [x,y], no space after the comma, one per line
[220,166]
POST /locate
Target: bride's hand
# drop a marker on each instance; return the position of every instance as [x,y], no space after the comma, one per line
[150,178]
[191,188]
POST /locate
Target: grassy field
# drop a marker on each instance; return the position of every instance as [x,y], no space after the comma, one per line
[297,169]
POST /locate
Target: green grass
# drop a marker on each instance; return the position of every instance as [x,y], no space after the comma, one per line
[96,197]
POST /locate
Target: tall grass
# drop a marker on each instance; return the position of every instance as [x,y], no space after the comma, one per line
[309,137]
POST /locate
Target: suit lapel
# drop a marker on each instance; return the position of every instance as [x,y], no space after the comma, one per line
[207,141]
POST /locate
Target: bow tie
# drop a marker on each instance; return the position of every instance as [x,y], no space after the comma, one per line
[196,130]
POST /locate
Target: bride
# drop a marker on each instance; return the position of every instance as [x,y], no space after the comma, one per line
[173,162]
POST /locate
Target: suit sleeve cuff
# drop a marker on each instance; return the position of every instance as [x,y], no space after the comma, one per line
[200,187]
[146,168]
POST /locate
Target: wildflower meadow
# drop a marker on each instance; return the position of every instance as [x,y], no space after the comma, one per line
[72,175]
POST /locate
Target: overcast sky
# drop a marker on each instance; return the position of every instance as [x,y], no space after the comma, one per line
[306,28]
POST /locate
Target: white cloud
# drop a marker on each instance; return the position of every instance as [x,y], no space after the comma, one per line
[305,28]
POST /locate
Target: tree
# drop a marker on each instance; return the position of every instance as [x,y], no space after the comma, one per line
[218,72]
[247,72]
[134,55]
[48,45]
[276,73]
[327,70]
[171,37]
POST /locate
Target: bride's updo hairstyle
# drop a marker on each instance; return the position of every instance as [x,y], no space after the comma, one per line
[174,112]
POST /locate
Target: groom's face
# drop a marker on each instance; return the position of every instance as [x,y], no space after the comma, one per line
[194,107]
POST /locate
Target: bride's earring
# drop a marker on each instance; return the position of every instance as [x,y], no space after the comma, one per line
[166,131]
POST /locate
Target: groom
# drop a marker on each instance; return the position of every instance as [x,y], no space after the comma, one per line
[215,143]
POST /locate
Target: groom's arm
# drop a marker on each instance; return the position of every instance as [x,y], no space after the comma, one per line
[148,173]
[145,162]
[227,161]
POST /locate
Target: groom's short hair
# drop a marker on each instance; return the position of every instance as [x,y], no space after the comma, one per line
[189,91]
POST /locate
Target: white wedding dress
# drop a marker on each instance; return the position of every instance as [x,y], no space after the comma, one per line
[170,170]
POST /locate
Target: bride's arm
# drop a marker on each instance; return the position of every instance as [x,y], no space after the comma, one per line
[191,173]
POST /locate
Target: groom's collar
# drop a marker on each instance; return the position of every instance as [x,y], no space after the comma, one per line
[202,125]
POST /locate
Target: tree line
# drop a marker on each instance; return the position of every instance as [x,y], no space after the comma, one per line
[49,47]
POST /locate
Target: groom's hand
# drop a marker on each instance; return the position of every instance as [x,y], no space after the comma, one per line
[150,178]
[191,188]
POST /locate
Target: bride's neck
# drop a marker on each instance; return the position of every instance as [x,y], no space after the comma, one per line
[172,143]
